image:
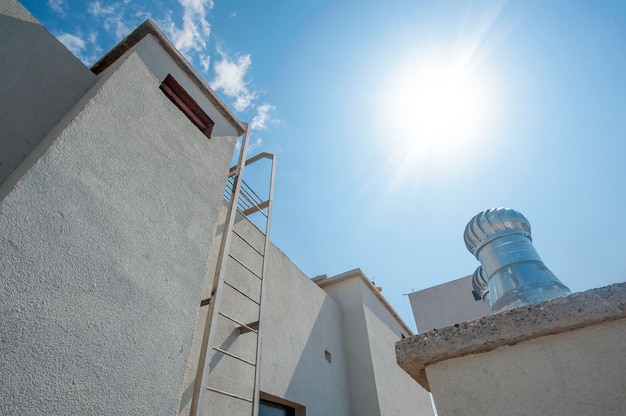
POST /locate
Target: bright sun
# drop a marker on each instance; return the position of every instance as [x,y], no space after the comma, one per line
[435,111]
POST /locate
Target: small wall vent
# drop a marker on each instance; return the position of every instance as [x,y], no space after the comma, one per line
[181,98]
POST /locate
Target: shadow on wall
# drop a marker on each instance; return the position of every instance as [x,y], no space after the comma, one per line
[33,61]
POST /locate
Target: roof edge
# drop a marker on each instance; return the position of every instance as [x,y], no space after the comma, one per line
[510,327]
[324,280]
[148,27]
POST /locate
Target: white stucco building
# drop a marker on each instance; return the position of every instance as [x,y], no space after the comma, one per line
[111,214]
[446,304]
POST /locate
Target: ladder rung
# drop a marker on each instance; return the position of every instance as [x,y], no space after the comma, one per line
[257,208]
[238,290]
[244,266]
[243,328]
[229,394]
[251,327]
[230,354]
[247,242]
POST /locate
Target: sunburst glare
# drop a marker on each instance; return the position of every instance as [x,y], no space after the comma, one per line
[439,104]
[436,110]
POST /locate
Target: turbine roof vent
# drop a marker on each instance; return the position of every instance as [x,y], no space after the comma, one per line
[494,223]
[511,273]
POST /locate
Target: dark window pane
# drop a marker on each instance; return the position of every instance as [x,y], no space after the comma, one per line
[274,409]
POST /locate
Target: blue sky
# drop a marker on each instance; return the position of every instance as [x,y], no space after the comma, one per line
[395,122]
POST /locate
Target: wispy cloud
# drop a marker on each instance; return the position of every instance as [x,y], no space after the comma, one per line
[229,78]
[255,144]
[58,6]
[85,48]
[252,145]
[96,9]
[205,62]
[189,32]
[72,42]
[195,30]
[113,16]
[263,117]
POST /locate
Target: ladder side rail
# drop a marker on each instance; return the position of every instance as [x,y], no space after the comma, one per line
[259,339]
[200,385]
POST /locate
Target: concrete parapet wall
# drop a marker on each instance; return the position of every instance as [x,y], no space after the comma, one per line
[565,356]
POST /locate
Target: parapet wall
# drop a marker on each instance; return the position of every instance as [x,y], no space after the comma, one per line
[567,353]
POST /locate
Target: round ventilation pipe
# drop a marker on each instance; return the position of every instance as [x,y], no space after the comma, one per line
[511,273]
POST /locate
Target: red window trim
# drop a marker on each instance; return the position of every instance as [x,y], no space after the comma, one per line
[181,98]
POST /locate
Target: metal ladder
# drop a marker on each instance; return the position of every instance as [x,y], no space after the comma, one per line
[228,337]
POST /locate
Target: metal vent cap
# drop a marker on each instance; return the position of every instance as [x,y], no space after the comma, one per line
[491,224]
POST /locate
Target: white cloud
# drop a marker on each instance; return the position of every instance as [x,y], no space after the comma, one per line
[115,24]
[196,29]
[72,42]
[58,6]
[96,9]
[84,48]
[189,35]
[252,145]
[113,17]
[229,78]
[255,144]
[205,62]
[262,117]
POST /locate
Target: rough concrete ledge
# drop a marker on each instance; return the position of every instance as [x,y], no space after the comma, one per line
[577,310]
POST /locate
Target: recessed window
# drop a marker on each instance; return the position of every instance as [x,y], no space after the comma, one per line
[267,408]
[181,98]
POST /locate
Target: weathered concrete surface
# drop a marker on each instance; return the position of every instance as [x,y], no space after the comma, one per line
[579,372]
[510,327]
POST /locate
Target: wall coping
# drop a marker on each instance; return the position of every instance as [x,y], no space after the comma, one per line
[148,27]
[577,310]
[323,280]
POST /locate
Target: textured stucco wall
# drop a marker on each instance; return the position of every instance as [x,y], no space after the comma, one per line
[104,250]
[398,393]
[304,322]
[157,61]
[360,368]
[580,372]
[447,304]
[41,81]
[377,385]
[301,322]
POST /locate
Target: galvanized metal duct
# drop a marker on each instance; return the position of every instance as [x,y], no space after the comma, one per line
[511,273]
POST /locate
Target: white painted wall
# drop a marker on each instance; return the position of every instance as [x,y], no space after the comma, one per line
[41,81]
[580,372]
[446,304]
[377,385]
[108,245]
[301,322]
[104,245]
